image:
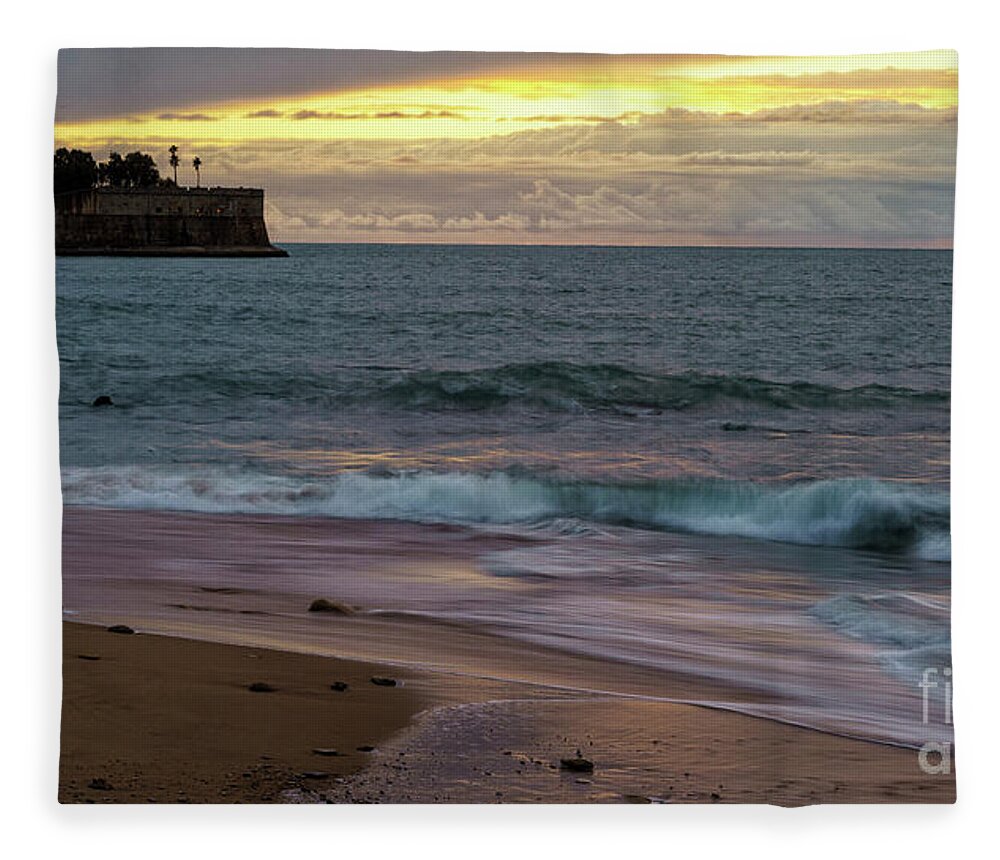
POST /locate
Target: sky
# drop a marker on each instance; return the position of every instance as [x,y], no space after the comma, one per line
[522,148]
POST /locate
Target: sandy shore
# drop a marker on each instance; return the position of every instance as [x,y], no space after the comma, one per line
[164,719]
[150,718]
[221,602]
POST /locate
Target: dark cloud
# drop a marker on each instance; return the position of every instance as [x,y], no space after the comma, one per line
[886,78]
[97,83]
[188,117]
[427,114]
[856,110]
[331,114]
[392,114]
[873,111]
[264,114]
[622,117]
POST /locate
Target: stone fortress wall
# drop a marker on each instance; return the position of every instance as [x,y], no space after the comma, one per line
[163,221]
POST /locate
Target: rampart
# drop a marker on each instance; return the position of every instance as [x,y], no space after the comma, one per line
[217,222]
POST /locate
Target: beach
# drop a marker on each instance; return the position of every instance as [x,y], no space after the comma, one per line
[169,720]
[473,716]
[685,510]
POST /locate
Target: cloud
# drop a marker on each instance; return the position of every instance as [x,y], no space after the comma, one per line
[393,114]
[187,117]
[887,78]
[677,178]
[769,158]
[338,220]
[264,114]
[621,117]
[692,208]
[859,110]
[97,83]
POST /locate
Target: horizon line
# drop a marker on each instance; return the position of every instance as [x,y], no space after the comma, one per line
[949,248]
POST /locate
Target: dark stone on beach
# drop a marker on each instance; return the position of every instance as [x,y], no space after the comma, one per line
[100,784]
[261,687]
[339,686]
[121,628]
[383,682]
[103,400]
[315,774]
[325,752]
[88,657]
[636,798]
[366,748]
[321,604]
[731,427]
[716,797]
[577,765]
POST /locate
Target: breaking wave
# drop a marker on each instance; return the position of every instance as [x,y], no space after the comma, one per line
[854,513]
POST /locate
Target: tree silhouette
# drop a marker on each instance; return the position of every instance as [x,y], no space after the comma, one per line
[174,161]
[75,170]
[197,170]
[140,170]
[112,172]
[135,170]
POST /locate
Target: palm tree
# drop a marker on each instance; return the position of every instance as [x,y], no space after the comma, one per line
[174,161]
[197,170]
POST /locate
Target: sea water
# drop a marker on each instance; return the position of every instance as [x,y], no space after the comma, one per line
[738,458]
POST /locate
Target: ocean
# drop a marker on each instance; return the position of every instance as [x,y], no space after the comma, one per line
[727,463]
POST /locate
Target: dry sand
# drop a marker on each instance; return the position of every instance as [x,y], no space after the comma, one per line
[172,720]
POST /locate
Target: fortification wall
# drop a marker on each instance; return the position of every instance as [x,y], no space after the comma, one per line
[213,221]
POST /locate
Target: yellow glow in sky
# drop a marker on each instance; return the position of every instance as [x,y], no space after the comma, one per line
[556,91]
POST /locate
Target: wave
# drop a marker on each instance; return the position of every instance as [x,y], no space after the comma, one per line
[564,385]
[898,620]
[911,632]
[854,513]
[554,385]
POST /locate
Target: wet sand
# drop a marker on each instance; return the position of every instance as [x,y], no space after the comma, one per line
[157,719]
[476,717]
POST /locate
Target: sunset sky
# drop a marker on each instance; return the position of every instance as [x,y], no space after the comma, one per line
[542,148]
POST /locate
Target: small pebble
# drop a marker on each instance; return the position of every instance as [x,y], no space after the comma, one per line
[578,764]
[261,687]
[321,604]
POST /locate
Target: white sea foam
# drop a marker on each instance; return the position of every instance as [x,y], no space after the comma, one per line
[858,513]
[911,632]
